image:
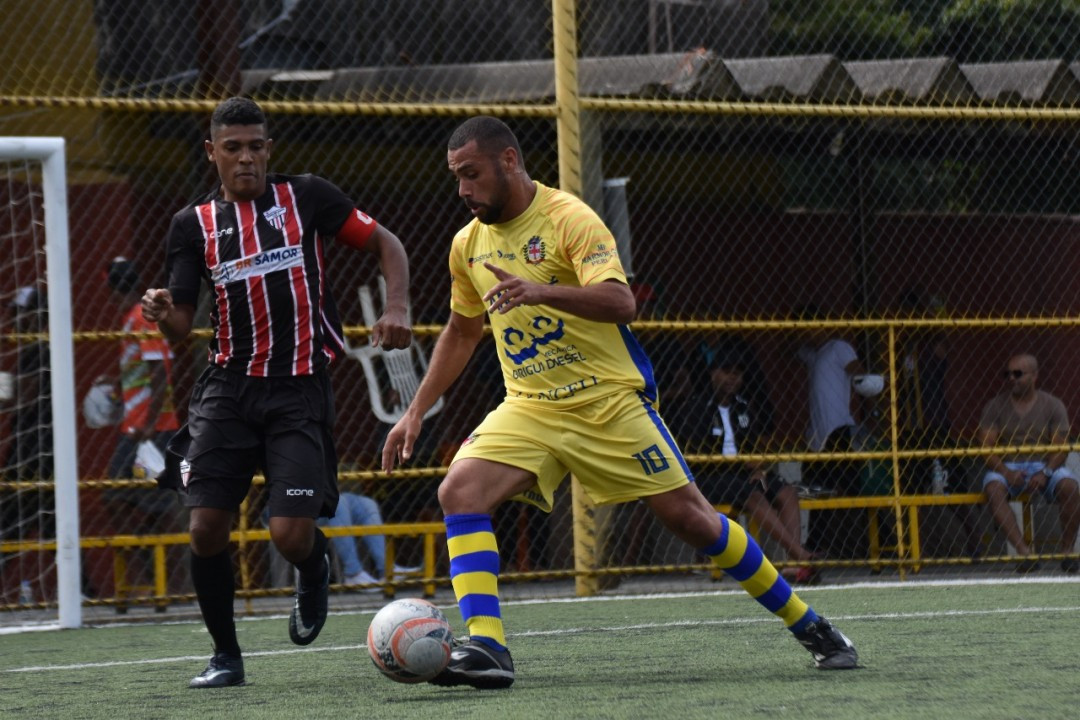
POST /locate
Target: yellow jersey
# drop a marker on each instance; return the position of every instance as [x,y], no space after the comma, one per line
[547,355]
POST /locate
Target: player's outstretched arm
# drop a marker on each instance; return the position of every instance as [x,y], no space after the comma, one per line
[452,351]
[608,301]
[392,330]
[174,321]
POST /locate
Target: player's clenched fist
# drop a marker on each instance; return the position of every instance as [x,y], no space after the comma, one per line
[392,331]
[156,304]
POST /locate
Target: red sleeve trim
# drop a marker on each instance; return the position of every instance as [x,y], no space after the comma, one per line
[357,229]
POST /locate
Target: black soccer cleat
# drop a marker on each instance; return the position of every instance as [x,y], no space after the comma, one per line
[830,647]
[222,671]
[479,665]
[309,611]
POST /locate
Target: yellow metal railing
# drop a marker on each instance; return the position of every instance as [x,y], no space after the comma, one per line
[907,556]
[156,593]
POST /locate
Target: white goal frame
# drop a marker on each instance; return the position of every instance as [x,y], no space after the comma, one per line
[50,152]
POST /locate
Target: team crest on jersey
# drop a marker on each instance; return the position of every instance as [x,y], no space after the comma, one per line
[535,250]
[275,216]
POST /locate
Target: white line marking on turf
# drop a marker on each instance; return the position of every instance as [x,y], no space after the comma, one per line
[765,619]
[182,658]
[506,602]
[18,629]
[573,631]
[801,590]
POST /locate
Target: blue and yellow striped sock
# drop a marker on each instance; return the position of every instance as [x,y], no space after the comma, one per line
[739,555]
[474,573]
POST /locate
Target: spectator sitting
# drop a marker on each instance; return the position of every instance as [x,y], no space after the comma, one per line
[356,509]
[726,422]
[1025,415]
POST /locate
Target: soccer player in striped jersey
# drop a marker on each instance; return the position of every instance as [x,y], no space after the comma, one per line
[265,400]
[580,398]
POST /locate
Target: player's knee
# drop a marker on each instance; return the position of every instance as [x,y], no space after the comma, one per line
[452,496]
[208,537]
[692,526]
[460,492]
[293,537]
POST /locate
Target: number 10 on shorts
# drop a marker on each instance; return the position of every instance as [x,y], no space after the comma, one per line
[652,460]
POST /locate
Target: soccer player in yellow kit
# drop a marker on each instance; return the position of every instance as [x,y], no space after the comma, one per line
[580,398]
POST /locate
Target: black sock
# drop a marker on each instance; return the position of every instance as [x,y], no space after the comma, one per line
[312,568]
[215,586]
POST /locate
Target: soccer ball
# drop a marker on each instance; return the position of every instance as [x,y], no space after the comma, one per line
[102,406]
[868,385]
[409,640]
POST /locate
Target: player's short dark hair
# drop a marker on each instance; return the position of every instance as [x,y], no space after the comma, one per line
[236,111]
[491,134]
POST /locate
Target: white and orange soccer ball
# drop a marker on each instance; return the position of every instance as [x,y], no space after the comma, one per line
[410,640]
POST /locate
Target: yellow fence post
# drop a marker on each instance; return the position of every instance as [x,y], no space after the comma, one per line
[564,23]
[894,430]
[242,542]
[161,577]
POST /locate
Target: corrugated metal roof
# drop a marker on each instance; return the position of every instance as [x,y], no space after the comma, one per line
[698,74]
[818,78]
[1035,81]
[911,80]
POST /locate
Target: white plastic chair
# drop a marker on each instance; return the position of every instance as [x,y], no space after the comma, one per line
[399,371]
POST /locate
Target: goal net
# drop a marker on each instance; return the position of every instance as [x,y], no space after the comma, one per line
[39,528]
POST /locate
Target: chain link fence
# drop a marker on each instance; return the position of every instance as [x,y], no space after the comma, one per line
[890,183]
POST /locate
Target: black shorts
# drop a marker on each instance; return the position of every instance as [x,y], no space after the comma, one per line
[239,424]
[734,488]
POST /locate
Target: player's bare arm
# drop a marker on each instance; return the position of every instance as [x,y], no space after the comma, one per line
[609,301]
[392,330]
[174,321]
[455,346]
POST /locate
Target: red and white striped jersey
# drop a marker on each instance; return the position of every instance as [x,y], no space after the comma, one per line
[272,311]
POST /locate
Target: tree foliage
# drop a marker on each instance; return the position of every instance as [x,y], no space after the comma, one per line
[968,30]
[1003,30]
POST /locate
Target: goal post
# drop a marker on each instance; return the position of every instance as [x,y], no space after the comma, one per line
[49,152]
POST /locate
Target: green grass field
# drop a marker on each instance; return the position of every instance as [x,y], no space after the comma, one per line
[985,650]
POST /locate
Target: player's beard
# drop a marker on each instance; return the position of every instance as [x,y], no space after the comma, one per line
[493,211]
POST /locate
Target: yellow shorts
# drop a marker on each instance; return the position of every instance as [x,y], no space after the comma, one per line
[617,447]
